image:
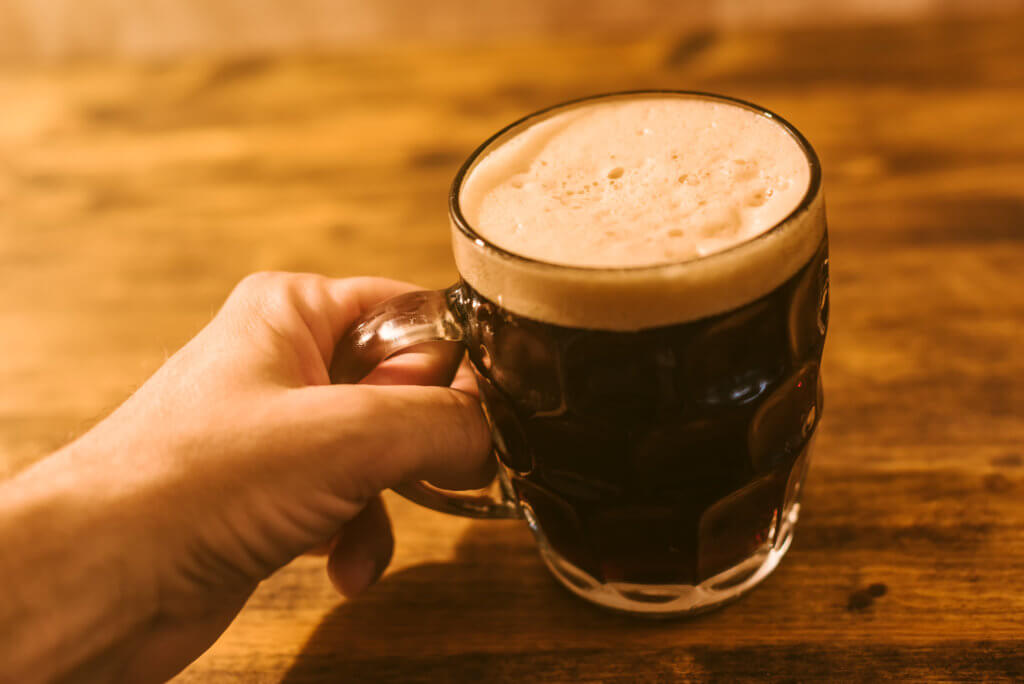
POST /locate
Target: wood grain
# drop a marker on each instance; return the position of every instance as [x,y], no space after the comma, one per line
[34,30]
[134,196]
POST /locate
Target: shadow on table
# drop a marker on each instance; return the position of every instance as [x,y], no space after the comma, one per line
[492,613]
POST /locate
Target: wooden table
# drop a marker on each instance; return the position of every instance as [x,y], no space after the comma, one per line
[134,195]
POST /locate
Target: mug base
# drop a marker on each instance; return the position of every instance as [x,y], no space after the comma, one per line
[674,600]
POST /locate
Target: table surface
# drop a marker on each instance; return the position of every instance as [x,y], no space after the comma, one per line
[134,195]
[48,29]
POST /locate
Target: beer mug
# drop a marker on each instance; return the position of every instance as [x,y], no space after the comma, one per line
[653,424]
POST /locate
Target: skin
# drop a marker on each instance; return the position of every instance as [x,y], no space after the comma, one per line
[126,553]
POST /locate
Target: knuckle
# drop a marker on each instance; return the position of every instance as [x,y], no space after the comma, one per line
[269,290]
[260,281]
[264,300]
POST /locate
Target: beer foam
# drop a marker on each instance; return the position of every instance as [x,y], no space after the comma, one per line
[638,210]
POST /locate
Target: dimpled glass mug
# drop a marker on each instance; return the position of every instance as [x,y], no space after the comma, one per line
[653,423]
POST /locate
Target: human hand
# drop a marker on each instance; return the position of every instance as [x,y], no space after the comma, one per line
[235,457]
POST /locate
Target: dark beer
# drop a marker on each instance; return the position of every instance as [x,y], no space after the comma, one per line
[664,455]
[644,298]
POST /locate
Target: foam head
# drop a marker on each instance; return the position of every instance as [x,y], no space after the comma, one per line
[625,209]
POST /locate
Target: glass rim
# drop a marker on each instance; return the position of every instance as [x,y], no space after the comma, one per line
[462,224]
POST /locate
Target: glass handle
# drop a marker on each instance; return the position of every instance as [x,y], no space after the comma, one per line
[391,326]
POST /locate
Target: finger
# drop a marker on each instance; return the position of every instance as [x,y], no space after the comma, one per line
[354,297]
[465,382]
[314,310]
[362,550]
[360,439]
[480,478]
[297,303]
[465,379]
[433,363]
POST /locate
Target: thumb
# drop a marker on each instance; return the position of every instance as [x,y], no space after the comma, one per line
[365,438]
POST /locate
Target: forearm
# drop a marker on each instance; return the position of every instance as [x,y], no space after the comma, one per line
[69,589]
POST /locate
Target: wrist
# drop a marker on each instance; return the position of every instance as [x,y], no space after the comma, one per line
[74,585]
